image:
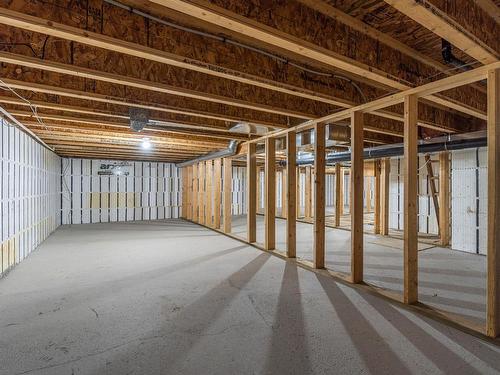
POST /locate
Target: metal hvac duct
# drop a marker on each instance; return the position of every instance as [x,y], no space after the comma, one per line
[229,151]
[447,143]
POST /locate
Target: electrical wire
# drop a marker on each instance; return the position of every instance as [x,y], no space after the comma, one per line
[33,107]
[238,44]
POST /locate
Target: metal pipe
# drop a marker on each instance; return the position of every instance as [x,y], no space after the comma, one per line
[227,152]
[447,143]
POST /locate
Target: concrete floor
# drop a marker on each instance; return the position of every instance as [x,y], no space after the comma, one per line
[170,297]
[449,280]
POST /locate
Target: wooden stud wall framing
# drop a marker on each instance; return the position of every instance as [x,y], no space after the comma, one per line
[227,194]
[308,194]
[270,195]
[217,192]
[208,192]
[381,173]
[291,195]
[410,293]
[319,196]
[444,198]
[338,194]
[384,196]
[251,193]
[357,223]
[493,252]
[377,203]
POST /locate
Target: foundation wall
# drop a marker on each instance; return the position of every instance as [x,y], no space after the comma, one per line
[30,194]
[100,191]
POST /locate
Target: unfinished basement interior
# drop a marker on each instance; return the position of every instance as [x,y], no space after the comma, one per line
[250,187]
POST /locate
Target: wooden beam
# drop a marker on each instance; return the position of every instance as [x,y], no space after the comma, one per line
[410,294]
[189,193]
[356,209]
[184,208]
[210,13]
[368,194]
[270,195]
[227,198]
[202,196]
[109,99]
[441,24]
[284,182]
[490,8]
[195,197]
[444,198]
[444,84]
[362,27]
[251,193]
[385,170]
[377,203]
[338,193]
[208,192]
[308,194]
[298,190]
[217,192]
[319,196]
[291,195]
[13,18]
[493,249]
[259,191]
[82,72]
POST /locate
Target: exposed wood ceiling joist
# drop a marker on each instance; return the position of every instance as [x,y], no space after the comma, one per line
[439,23]
[210,13]
[36,24]
[141,84]
[108,99]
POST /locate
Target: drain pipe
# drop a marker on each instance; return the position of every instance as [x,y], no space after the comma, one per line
[227,152]
[447,143]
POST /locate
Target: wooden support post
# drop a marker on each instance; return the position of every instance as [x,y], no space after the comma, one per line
[319,196]
[284,208]
[217,192]
[270,195]
[493,249]
[308,194]
[227,198]
[338,194]
[184,208]
[385,169]
[202,196]
[410,294]
[251,193]
[189,193]
[208,192]
[291,195]
[376,193]
[368,194]
[298,192]
[356,209]
[259,191]
[444,198]
[342,190]
[195,193]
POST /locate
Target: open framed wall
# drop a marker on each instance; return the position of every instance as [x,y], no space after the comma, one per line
[419,199]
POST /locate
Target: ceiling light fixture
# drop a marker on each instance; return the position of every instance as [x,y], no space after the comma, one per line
[146,144]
